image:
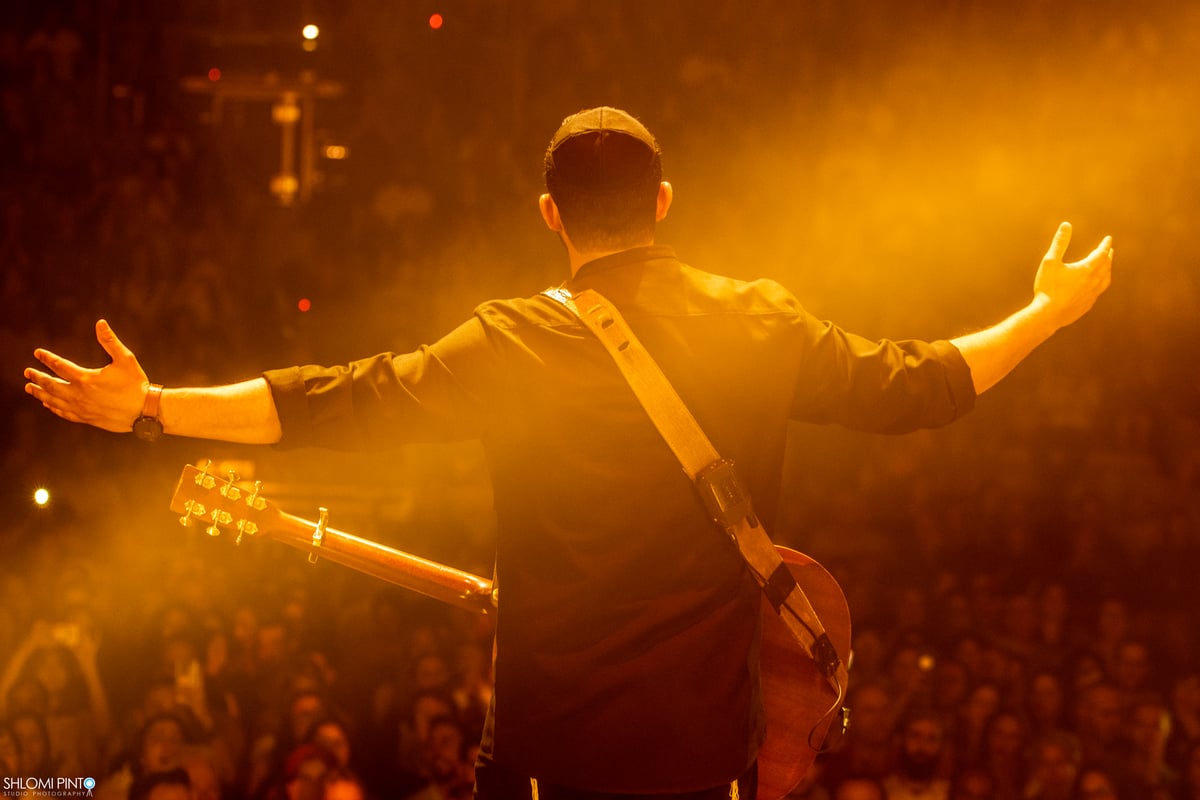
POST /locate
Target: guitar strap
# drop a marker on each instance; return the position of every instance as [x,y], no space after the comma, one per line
[723,493]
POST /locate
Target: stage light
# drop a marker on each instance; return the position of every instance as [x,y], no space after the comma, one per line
[214,74]
[285,186]
[310,32]
[435,21]
[304,305]
[41,497]
[285,112]
[335,152]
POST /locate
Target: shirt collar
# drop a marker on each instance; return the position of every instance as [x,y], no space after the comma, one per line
[633,255]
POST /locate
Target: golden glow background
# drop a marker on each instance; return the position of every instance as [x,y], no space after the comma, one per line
[901,167]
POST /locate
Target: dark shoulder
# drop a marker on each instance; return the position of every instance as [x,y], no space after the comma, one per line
[519,312]
[709,292]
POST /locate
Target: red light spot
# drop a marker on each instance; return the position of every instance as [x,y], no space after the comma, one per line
[214,74]
[435,21]
[304,305]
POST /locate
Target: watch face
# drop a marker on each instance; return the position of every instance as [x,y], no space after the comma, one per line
[147,428]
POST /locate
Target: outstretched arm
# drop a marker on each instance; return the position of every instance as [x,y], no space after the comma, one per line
[112,396]
[1062,293]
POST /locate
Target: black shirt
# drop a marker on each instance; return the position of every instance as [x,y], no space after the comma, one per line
[627,629]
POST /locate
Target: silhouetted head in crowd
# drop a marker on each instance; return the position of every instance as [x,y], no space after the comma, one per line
[305,768]
[333,736]
[160,743]
[1095,783]
[1053,766]
[922,742]
[1046,701]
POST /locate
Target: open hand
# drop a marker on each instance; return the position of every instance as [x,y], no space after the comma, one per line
[110,397]
[1069,290]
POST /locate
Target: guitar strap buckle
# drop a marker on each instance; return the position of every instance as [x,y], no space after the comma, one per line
[825,655]
[724,495]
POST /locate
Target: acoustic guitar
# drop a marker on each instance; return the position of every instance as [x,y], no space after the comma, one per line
[801,704]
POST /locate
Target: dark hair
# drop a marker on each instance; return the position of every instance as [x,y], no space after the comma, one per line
[921,713]
[598,217]
[186,732]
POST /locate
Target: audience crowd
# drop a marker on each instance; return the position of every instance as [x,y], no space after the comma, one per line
[1020,583]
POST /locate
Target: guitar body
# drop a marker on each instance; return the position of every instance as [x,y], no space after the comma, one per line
[795,693]
[800,702]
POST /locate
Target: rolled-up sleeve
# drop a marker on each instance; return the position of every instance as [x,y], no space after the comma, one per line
[435,393]
[880,386]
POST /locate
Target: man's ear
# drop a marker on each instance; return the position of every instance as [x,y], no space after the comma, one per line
[550,213]
[666,193]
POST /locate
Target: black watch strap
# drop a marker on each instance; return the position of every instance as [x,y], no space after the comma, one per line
[148,426]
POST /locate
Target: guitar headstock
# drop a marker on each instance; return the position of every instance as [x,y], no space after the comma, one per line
[221,502]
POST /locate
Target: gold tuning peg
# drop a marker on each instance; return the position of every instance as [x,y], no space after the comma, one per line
[245,526]
[192,510]
[230,490]
[253,500]
[204,478]
[219,518]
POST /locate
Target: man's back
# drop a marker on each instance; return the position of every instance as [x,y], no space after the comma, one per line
[628,627]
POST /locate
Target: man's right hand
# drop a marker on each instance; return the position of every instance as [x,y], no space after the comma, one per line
[1068,290]
[110,397]
[1062,293]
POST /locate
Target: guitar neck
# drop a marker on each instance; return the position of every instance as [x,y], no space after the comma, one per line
[453,586]
[203,496]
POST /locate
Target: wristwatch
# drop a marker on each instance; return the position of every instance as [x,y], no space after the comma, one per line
[148,427]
